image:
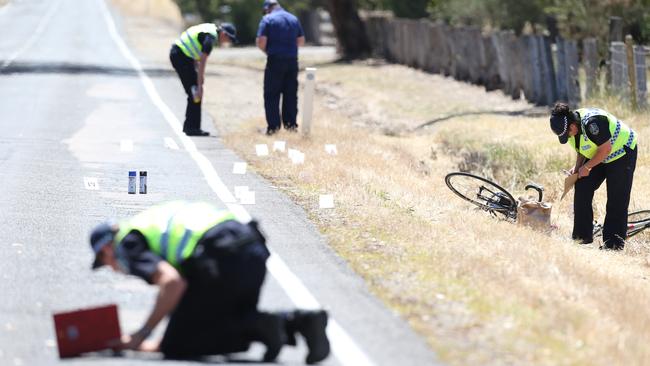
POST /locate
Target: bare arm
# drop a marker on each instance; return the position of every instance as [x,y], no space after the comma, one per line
[300,41]
[261,43]
[602,153]
[172,287]
[580,160]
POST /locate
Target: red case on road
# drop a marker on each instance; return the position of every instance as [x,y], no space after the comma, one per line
[87,330]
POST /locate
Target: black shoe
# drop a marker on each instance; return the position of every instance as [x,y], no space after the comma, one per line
[197,133]
[270,331]
[292,128]
[271,131]
[311,325]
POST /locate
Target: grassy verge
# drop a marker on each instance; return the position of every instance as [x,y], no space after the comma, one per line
[481,291]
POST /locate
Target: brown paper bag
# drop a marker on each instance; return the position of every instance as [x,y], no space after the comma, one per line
[534,214]
[569,182]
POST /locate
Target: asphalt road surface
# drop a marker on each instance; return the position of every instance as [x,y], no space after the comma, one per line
[77,113]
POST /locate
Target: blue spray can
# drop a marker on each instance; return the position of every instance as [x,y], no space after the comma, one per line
[132,178]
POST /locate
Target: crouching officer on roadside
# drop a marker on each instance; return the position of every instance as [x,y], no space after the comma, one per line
[606,149]
[210,269]
[189,56]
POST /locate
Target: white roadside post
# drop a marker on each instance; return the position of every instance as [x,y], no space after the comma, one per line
[308,104]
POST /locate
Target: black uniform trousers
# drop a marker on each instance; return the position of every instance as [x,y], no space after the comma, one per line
[281,80]
[186,71]
[619,175]
[218,312]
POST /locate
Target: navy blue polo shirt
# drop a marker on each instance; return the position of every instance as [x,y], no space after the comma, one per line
[281,29]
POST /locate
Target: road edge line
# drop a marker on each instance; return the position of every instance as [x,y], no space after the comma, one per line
[343,346]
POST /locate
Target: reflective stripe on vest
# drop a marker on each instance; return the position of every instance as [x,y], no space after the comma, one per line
[621,136]
[189,43]
[173,230]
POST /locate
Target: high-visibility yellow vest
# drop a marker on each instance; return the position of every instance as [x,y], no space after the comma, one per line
[622,136]
[173,230]
[189,43]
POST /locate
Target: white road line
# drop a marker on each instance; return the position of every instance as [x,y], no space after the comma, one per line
[126,145]
[170,143]
[343,347]
[36,35]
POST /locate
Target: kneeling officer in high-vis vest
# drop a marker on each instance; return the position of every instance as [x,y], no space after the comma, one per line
[189,56]
[606,150]
[209,268]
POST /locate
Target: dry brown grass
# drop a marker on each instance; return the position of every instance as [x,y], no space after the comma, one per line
[480,290]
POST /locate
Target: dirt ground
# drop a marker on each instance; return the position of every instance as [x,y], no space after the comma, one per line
[481,291]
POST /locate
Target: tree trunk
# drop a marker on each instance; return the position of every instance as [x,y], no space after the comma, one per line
[350,30]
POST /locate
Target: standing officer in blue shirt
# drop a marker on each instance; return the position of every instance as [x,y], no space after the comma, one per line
[279,36]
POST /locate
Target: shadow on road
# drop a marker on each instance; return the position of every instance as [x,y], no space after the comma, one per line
[84,69]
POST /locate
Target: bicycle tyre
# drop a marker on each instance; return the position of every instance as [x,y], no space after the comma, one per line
[454,181]
[637,217]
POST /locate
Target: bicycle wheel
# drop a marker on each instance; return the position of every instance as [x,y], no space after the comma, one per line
[637,222]
[482,192]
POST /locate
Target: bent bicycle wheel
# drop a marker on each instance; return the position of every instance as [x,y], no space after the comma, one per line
[482,192]
[637,221]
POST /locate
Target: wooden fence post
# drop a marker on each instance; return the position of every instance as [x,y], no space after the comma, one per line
[618,70]
[590,46]
[615,29]
[573,82]
[631,70]
[533,74]
[640,53]
[548,71]
[561,74]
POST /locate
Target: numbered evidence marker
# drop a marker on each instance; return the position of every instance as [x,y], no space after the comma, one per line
[244,196]
[279,146]
[331,149]
[239,190]
[326,201]
[239,168]
[262,150]
[296,156]
[247,197]
[91,183]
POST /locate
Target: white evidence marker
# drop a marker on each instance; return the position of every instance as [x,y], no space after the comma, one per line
[91,184]
[331,149]
[170,143]
[240,190]
[279,146]
[126,145]
[296,156]
[247,198]
[262,150]
[239,168]
[326,201]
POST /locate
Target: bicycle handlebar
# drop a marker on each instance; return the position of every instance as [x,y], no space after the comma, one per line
[538,188]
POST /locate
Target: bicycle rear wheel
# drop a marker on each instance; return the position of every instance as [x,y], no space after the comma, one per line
[483,193]
[637,222]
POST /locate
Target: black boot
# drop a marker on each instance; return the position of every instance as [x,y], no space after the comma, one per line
[270,330]
[311,325]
